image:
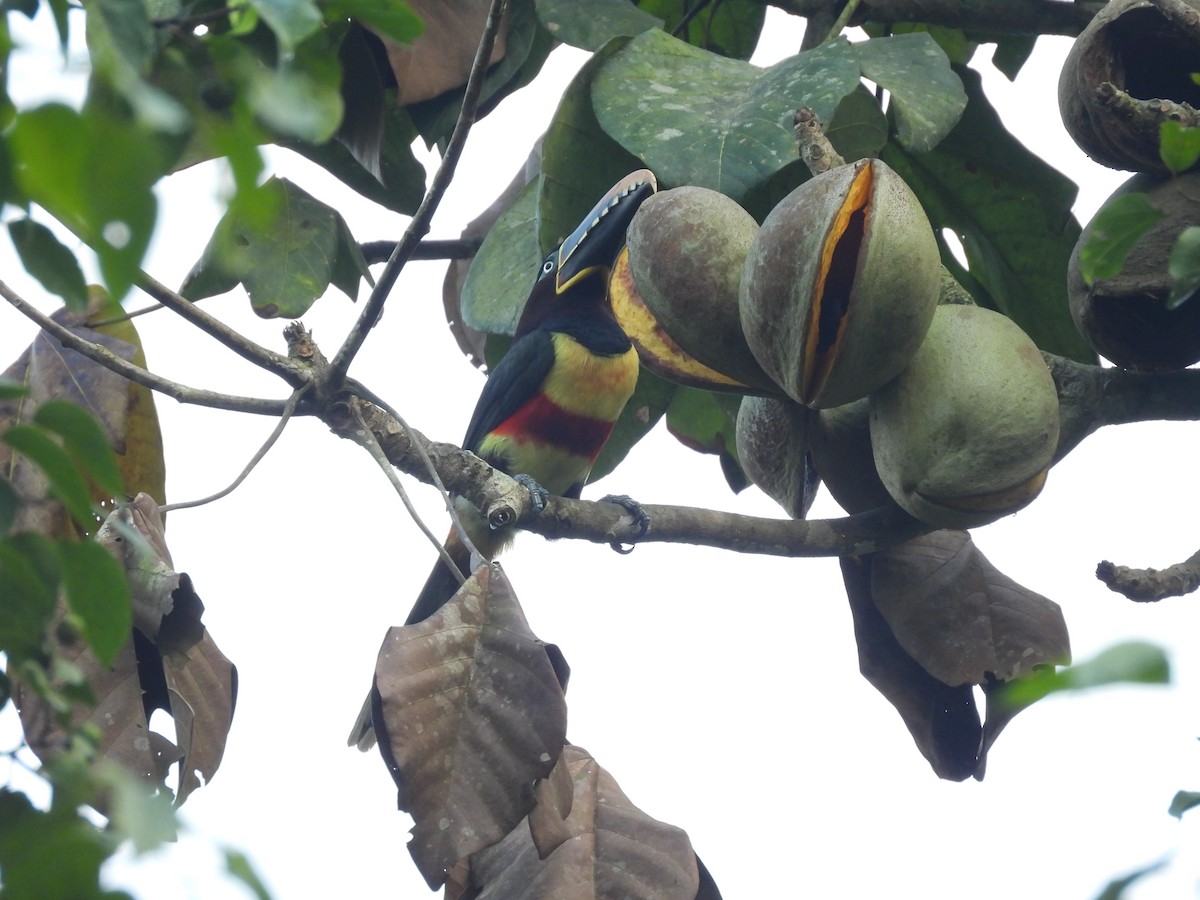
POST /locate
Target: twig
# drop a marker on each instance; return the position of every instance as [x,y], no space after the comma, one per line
[842,20]
[105,357]
[996,16]
[462,248]
[419,225]
[447,500]
[288,409]
[289,370]
[815,149]
[372,446]
[1150,585]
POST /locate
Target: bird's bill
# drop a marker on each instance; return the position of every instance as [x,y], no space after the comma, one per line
[601,235]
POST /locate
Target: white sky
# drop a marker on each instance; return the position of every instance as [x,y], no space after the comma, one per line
[720,690]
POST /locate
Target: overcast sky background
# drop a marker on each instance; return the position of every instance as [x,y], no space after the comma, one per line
[720,690]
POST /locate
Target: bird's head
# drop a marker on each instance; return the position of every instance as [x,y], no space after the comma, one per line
[578,268]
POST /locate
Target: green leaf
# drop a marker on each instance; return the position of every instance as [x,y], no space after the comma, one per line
[1184,267]
[590,24]
[1012,50]
[1112,234]
[707,423]
[393,18]
[859,128]
[10,502]
[47,260]
[54,853]
[291,20]
[11,390]
[66,481]
[29,585]
[1179,146]
[1183,801]
[94,172]
[349,264]
[98,594]
[697,118]
[1115,889]
[579,161]
[285,263]
[238,865]
[85,441]
[1130,662]
[1012,213]
[136,811]
[927,97]
[731,27]
[504,269]
[296,103]
[128,26]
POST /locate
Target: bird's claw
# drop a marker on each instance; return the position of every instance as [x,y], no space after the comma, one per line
[640,518]
[538,495]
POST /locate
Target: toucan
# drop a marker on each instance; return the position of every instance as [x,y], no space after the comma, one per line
[550,404]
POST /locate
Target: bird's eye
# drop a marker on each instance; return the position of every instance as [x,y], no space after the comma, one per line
[547,267]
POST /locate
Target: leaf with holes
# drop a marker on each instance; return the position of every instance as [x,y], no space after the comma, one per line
[471,714]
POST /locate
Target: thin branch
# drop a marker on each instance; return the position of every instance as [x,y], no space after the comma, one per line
[105,357]
[295,374]
[419,226]
[842,20]
[1151,585]
[367,440]
[288,409]
[462,248]
[996,16]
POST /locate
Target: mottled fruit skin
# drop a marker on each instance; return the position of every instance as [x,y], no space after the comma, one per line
[839,442]
[773,451]
[891,255]
[1125,318]
[966,433]
[687,247]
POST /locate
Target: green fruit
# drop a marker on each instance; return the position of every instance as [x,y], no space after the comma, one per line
[839,442]
[773,451]
[966,433]
[840,284]
[687,247]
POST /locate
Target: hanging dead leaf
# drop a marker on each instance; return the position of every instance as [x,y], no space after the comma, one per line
[958,616]
[170,663]
[942,719]
[469,714]
[440,59]
[124,410]
[614,850]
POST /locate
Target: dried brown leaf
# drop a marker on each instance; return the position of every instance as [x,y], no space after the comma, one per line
[472,714]
[942,719]
[124,410]
[170,663]
[439,60]
[958,616]
[615,850]
[554,797]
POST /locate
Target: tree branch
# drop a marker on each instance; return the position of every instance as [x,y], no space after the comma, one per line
[461,248]
[418,227]
[105,357]
[1150,585]
[996,16]
[295,374]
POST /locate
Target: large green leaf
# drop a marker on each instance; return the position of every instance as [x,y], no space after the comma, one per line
[504,269]
[98,595]
[287,261]
[730,28]
[590,24]
[698,118]
[95,172]
[927,97]
[1012,213]
[579,161]
[46,259]
[291,20]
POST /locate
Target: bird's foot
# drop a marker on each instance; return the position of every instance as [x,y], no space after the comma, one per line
[538,494]
[640,518]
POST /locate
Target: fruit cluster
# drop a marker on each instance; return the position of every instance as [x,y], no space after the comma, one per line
[828,318]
